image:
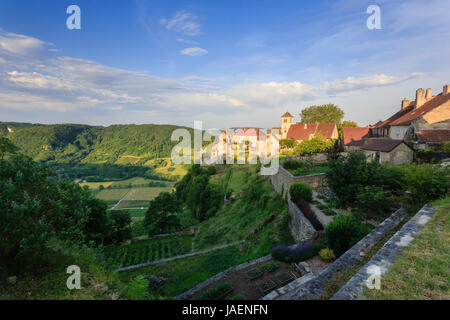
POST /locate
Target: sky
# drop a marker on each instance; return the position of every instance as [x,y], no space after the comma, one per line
[226,63]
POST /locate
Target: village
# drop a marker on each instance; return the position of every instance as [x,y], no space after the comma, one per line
[417,127]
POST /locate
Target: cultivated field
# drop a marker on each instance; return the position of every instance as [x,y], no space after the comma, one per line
[148,193]
[112,194]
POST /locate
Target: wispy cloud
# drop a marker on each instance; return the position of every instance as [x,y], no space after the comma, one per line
[182,22]
[181,40]
[195,51]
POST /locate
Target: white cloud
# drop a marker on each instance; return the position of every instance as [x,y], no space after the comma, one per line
[194,51]
[181,40]
[352,83]
[16,44]
[182,22]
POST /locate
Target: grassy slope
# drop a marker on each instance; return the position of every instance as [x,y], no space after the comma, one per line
[234,222]
[423,269]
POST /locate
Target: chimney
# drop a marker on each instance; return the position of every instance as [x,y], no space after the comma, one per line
[446,89]
[420,98]
[405,103]
[429,94]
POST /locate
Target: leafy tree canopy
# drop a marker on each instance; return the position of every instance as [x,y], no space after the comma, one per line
[322,114]
[349,124]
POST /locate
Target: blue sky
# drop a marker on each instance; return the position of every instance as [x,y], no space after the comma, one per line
[228,63]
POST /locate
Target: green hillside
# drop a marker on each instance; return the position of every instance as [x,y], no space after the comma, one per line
[75,143]
[14,126]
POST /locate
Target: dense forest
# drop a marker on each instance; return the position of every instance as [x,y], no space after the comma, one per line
[75,143]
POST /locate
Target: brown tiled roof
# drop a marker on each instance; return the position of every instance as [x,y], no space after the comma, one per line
[287,114]
[355,136]
[303,131]
[426,107]
[382,145]
[433,135]
[395,116]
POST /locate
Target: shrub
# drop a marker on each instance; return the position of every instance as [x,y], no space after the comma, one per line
[299,191]
[327,255]
[216,293]
[211,170]
[309,214]
[298,253]
[293,164]
[280,252]
[424,183]
[374,199]
[343,232]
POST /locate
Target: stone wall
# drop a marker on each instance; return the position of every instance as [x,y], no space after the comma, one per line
[314,288]
[384,258]
[283,180]
[190,293]
[301,229]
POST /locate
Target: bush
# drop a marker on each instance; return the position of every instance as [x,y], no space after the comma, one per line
[309,214]
[299,191]
[374,199]
[343,232]
[293,164]
[216,293]
[211,170]
[280,252]
[298,253]
[327,255]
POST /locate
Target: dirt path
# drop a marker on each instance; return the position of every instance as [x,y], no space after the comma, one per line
[114,208]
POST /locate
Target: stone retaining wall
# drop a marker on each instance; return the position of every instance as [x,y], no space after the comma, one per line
[301,229]
[283,180]
[314,288]
[383,259]
[190,293]
[189,232]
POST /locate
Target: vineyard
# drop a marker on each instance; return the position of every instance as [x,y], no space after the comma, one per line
[151,250]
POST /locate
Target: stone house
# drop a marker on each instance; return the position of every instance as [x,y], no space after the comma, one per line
[353,138]
[287,120]
[426,112]
[388,150]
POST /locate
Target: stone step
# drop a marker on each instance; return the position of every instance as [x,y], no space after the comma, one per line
[371,273]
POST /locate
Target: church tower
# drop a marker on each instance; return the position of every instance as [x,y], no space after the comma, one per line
[287,120]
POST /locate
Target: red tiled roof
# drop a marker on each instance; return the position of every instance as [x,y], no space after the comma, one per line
[287,114]
[395,116]
[355,136]
[426,107]
[433,135]
[303,131]
[247,132]
[382,145]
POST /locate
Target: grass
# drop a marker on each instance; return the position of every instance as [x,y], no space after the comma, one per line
[96,185]
[111,194]
[147,193]
[422,272]
[237,180]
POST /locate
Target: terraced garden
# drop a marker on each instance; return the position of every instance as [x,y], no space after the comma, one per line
[146,251]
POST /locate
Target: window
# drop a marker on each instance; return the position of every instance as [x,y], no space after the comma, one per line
[398,132]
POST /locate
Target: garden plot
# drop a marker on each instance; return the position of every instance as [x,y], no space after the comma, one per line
[146,251]
[148,193]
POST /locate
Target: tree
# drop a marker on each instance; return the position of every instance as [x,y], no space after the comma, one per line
[120,221]
[161,215]
[349,124]
[97,226]
[322,114]
[7,147]
[287,143]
